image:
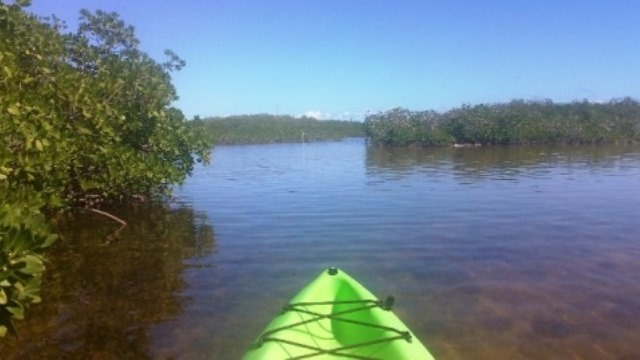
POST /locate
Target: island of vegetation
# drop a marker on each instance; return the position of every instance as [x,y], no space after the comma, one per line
[85,120]
[518,122]
[265,128]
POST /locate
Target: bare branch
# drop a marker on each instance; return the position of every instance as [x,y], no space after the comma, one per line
[110,216]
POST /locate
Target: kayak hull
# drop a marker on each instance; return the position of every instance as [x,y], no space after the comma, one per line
[337,317]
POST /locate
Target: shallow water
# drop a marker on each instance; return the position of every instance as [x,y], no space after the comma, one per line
[491,253]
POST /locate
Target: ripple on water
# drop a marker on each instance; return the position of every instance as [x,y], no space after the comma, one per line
[491,253]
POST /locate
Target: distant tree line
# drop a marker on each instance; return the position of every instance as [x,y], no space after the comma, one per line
[85,118]
[516,122]
[265,128]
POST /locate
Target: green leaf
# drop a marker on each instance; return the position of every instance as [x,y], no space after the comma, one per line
[50,239]
[17,310]
[8,72]
[7,326]
[84,131]
[33,265]
[3,297]
[19,288]
[13,110]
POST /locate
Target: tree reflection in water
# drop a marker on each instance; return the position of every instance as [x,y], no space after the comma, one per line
[103,290]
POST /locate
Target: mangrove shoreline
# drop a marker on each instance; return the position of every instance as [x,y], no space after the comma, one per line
[518,122]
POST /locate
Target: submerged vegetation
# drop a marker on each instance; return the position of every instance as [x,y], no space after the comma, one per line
[264,128]
[85,119]
[516,122]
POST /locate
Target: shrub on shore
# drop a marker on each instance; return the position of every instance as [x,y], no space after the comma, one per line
[85,118]
[265,128]
[516,122]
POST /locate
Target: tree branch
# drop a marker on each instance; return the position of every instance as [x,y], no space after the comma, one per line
[110,216]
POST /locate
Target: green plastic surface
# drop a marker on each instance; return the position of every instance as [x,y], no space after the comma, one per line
[359,330]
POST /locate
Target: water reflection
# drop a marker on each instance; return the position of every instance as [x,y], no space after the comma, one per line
[497,162]
[540,256]
[104,290]
[492,253]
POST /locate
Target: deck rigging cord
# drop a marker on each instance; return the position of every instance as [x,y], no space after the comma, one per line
[302,308]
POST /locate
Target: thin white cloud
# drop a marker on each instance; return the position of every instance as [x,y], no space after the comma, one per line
[318,115]
[345,115]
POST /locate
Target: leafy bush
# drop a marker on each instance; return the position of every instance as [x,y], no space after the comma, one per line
[85,117]
[264,128]
[23,236]
[401,127]
[516,122]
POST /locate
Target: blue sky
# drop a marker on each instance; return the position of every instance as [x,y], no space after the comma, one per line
[342,58]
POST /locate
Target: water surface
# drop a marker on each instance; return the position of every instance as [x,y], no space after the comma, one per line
[491,253]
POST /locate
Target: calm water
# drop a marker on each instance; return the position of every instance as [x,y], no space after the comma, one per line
[491,253]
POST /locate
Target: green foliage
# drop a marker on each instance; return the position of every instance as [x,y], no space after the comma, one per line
[516,122]
[85,117]
[263,128]
[401,127]
[89,113]
[23,236]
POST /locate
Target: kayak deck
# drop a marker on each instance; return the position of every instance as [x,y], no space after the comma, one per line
[336,317]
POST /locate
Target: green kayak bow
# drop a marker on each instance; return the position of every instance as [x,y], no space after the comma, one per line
[335,317]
